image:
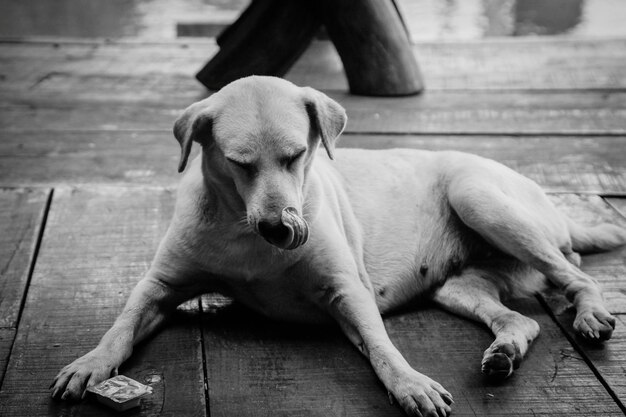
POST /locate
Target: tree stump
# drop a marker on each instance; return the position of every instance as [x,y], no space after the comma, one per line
[270,35]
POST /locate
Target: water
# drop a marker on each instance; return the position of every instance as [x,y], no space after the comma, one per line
[426,19]
[475,19]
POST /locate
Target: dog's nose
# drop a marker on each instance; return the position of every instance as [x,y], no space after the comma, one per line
[274,233]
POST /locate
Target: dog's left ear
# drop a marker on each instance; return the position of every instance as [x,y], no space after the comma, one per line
[195,124]
[327,117]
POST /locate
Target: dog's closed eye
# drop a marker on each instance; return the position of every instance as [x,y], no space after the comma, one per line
[246,167]
[289,161]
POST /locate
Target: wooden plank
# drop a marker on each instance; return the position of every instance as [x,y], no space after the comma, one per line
[619,204]
[6,341]
[513,64]
[488,64]
[572,113]
[552,380]
[558,163]
[616,293]
[257,367]
[89,157]
[434,112]
[98,243]
[21,216]
[609,269]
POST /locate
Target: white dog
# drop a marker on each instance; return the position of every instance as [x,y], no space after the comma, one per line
[262,217]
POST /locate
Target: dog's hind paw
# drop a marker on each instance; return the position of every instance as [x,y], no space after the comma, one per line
[596,325]
[500,359]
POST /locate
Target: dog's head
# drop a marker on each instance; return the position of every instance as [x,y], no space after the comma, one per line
[260,134]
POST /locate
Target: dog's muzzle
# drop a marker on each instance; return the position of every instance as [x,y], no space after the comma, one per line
[290,233]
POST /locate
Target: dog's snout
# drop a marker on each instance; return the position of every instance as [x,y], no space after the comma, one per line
[288,232]
[273,232]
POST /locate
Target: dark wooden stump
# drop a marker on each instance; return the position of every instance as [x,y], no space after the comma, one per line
[373,45]
[270,35]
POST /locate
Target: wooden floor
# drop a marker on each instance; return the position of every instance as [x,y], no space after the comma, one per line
[88,176]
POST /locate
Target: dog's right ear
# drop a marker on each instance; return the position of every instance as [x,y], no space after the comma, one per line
[195,124]
[327,116]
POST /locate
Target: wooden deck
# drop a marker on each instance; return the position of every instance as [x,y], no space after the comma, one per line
[88,175]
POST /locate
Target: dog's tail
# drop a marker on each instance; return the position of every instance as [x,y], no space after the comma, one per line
[593,239]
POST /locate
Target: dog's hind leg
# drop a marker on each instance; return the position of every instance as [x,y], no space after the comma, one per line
[534,233]
[475,296]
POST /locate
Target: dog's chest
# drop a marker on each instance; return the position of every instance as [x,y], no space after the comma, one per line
[258,275]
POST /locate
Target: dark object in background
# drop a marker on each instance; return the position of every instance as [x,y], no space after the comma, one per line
[270,35]
[546,17]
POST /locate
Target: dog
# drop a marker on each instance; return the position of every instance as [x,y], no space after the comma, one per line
[264,216]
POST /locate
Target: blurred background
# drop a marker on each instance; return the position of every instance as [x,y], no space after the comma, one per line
[426,19]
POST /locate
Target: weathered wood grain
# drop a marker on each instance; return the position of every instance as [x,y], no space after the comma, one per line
[552,380]
[442,112]
[558,163]
[257,367]
[97,244]
[21,216]
[434,112]
[503,64]
[615,294]
[609,269]
[89,157]
[6,341]
[511,64]
[619,204]
[607,358]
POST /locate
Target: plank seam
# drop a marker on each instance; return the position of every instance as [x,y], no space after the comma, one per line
[582,354]
[600,193]
[453,133]
[615,209]
[204,363]
[31,269]
[133,41]
[616,134]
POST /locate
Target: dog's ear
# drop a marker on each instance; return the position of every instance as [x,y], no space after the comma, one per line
[195,124]
[327,117]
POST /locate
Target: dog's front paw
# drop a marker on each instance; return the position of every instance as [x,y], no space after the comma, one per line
[500,359]
[90,369]
[419,395]
[596,325]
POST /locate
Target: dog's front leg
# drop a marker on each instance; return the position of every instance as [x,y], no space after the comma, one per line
[145,310]
[355,309]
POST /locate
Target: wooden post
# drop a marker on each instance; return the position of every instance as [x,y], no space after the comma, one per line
[373,45]
[268,37]
[271,34]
